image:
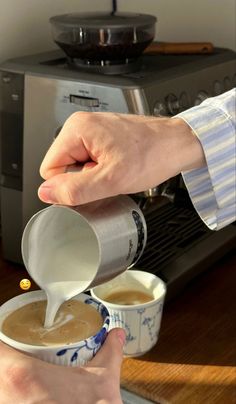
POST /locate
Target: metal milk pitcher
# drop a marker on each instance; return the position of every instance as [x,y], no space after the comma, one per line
[90,243]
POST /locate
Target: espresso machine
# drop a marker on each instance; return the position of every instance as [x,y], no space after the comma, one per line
[39,92]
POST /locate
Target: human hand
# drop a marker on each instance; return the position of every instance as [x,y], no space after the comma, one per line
[27,380]
[118,154]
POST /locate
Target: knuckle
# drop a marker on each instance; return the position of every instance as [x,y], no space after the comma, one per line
[113,177]
[79,117]
[78,122]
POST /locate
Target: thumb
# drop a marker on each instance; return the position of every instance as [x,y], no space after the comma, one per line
[111,353]
[75,188]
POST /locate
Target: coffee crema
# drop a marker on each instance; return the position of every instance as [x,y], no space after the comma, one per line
[128,297]
[75,321]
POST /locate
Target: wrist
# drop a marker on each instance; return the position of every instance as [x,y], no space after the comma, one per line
[173,148]
[188,153]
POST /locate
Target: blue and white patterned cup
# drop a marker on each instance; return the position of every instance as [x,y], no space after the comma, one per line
[76,354]
[140,321]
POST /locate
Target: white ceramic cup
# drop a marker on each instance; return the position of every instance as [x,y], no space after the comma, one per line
[140,321]
[76,354]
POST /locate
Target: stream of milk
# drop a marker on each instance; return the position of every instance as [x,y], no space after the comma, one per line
[62,257]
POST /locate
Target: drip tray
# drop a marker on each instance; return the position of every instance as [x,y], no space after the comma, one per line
[180,245]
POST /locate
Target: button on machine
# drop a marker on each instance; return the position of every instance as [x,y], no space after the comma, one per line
[15,97]
[6,79]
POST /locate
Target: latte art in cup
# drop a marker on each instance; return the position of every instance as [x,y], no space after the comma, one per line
[76,353]
[75,321]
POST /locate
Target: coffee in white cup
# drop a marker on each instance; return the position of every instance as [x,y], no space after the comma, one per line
[75,321]
[66,352]
[140,319]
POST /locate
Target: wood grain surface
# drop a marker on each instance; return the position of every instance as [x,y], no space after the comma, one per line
[194,359]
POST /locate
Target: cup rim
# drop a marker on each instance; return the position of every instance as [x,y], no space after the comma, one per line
[27,347]
[133,306]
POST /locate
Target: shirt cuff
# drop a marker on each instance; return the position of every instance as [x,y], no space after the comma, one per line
[213,188]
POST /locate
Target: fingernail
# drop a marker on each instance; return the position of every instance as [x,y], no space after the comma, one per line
[121,336]
[45,193]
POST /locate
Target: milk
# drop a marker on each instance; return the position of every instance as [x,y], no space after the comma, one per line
[56,295]
[55,246]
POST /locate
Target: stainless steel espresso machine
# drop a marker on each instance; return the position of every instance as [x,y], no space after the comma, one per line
[39,92]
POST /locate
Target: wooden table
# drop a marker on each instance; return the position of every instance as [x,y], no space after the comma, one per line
[194,359]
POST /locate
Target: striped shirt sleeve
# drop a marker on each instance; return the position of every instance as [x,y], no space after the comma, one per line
[213,188]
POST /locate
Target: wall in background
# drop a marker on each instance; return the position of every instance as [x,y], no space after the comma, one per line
[191,20]
[24,26]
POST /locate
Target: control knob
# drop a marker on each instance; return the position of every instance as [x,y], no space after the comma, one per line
[227,83]
[173,104]
[217,87]
[202,95]
[160,109]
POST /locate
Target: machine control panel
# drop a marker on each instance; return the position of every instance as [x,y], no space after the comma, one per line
[178,101]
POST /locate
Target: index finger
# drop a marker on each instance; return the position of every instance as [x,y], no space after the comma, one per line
[67,149]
